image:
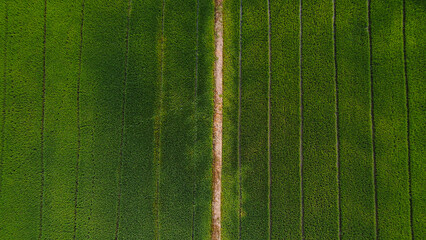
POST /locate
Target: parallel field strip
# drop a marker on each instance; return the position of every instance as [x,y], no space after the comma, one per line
[415,53]
[23,80]
[390,120]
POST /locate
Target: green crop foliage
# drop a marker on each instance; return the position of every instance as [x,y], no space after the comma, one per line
[285,120]
[390,120]
[101,99]
[63,21]
[204,121]
[137,219]
[354,113]
[21,161]
[319,133]
[3,65]
[230,167]
[185,142]
[254,121]
[107,110]
[416,75]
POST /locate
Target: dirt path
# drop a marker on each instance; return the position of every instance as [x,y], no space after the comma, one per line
[217,122]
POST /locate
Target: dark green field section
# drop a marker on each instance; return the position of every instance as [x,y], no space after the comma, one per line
[415,43]
[106,126]
[353,89]
[323,120]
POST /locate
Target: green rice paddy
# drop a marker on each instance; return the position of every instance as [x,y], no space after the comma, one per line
[107,116]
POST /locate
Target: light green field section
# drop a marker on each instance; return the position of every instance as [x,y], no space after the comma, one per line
[21,157]
[230,168]
[390,120]
[63,21]
[354,120]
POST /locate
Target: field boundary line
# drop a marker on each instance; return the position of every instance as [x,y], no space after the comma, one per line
[407,99]
[194,187]
[269,122]
[123,119]
[157,126]
[4,95]
[337,122]
[77,166]
[302,196]
[373,128]
[43,103]
[239,119]
[217,122]
[78,122]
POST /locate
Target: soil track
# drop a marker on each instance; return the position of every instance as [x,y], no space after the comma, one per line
[217,122]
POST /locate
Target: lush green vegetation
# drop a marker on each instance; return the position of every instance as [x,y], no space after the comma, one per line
[179,156]
[185,134]
[230,168]
[21,184]
[101,98]
[63,24]
[416,55]
[137,220]
[82,102]
[254,121]
[107,109]
[354,120]
[390,120]
[319,129]
[285,120]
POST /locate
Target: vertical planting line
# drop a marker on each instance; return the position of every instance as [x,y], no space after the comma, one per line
[302,203]
[77,164]
[92,193]
[336,112]
[43,99]
[123,111]
[194,187]
[4,96]
[269,122]
[157,127]
[407,96]
[373,129]
[239,119]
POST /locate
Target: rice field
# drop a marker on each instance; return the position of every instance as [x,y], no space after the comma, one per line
[107,119]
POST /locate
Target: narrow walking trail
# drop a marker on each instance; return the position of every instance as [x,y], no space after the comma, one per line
[217,122]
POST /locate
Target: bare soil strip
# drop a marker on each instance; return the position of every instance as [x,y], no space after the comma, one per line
[217,122]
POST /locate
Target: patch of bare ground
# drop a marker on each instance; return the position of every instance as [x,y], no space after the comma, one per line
[217,123]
